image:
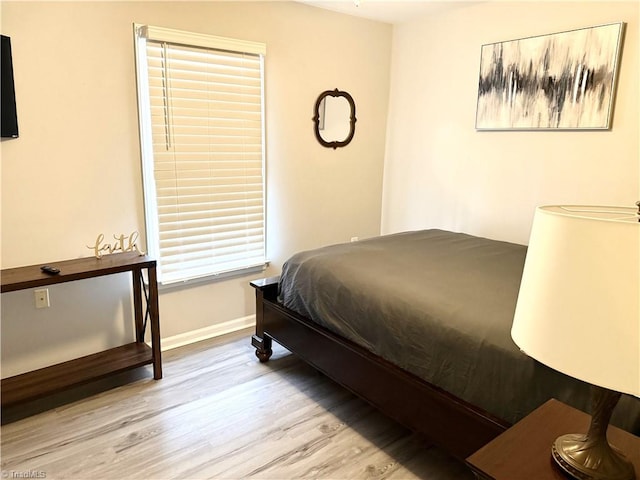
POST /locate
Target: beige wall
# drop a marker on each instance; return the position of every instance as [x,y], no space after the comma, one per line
[440,172]
[74,172]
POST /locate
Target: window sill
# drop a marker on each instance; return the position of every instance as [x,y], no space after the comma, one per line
[213,278]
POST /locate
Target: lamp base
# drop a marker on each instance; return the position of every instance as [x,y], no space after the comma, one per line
[590,457]
[586,459]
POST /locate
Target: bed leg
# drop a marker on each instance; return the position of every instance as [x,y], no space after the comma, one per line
[265,287]
[263,347]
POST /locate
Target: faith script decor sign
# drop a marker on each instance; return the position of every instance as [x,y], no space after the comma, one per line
[122,243]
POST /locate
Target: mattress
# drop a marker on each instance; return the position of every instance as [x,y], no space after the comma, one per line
[439,305]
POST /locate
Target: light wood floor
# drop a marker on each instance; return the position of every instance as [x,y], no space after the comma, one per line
[218,413]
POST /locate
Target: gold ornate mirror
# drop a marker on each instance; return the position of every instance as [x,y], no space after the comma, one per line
[334,118]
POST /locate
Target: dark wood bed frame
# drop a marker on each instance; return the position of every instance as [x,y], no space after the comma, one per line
[449,422]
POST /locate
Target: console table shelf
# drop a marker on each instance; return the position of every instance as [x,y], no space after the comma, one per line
[56,378]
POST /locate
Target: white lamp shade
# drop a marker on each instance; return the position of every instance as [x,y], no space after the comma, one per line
[578,309]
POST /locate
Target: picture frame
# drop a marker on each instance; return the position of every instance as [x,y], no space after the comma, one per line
[559,81]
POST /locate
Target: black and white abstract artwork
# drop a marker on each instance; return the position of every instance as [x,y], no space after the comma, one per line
[562,81]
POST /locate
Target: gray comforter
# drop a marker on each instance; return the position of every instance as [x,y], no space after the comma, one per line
[439,305]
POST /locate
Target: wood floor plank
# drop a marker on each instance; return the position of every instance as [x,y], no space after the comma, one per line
[218,413]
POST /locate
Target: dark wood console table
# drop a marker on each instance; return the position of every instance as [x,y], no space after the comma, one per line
[56,378]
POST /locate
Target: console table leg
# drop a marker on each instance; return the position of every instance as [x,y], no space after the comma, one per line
[155,323]
[137,304]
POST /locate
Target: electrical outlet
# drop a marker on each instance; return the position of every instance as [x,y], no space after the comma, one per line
[42,298]
[354,239]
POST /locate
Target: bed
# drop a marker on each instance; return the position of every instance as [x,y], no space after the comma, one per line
[418,324]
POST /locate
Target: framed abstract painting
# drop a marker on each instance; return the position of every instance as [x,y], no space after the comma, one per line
[561,81]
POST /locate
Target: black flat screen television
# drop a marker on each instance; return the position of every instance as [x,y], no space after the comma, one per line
[9,115]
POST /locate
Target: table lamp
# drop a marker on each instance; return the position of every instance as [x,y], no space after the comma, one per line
[578,312]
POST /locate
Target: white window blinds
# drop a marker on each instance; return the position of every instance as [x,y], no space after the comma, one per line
[202,135]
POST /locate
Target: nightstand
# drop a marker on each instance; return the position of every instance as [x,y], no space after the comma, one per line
[523,452]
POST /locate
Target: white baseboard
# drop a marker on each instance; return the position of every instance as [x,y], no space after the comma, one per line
[216,330]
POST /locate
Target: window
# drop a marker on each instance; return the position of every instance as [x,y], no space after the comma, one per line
[201,109]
